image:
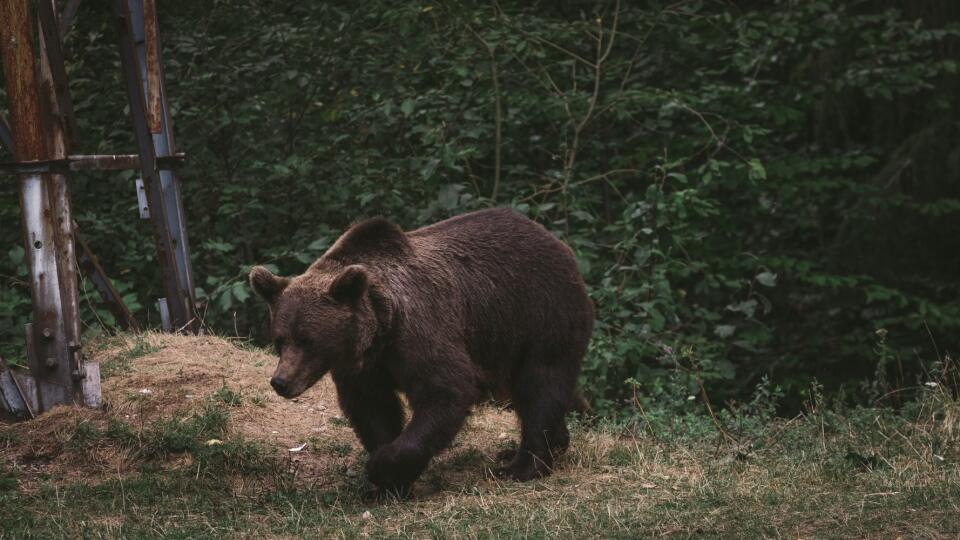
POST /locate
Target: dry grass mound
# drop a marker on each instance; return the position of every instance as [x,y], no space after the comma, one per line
[156,377]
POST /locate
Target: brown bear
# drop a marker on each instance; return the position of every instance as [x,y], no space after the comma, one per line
[484,302]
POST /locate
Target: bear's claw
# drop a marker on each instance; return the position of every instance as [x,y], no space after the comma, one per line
[383,494]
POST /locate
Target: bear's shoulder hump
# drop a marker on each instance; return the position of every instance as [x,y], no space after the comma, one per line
[376,234]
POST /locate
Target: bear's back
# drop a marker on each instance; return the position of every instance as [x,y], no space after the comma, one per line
[504,279]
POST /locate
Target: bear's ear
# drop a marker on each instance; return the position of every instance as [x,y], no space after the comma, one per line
[266,285]
[350,284]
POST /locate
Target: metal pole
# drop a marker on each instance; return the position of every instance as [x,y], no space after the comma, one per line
[146,34]
[170,241]
[52,362]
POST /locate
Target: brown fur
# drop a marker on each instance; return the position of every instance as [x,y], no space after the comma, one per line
[484,302]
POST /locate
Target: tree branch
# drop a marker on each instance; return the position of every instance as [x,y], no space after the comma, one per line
[498,112]
[602,55]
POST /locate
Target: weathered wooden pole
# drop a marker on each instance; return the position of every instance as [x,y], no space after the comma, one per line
[58,124]
[53,335]
[46,336]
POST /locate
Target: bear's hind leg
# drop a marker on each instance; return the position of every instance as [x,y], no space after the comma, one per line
[541,396]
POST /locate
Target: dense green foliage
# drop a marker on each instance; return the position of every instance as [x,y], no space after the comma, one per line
[752,188]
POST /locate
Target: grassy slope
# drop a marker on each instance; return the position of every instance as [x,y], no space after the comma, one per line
[144,468]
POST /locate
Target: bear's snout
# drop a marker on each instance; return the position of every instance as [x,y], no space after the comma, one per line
[279,385]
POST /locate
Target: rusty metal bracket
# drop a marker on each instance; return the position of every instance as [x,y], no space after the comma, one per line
[104,162]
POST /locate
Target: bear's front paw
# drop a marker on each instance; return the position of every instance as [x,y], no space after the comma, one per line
[395,467]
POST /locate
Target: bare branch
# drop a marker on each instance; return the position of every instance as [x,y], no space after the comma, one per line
[498,112]
[602,55]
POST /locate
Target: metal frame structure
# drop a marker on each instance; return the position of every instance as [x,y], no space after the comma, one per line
[40,133]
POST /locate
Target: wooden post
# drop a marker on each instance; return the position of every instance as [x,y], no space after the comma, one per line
[58,123]
[53,335]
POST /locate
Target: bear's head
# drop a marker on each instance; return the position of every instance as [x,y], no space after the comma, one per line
[320,321]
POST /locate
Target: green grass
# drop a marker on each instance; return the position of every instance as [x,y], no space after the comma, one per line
[228,396]
[120,362]
[201,433]
[186,433]
[8,480]
[8,437]
[259,399]
[833,472]
[796,501]
[85,434]
[838,476]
